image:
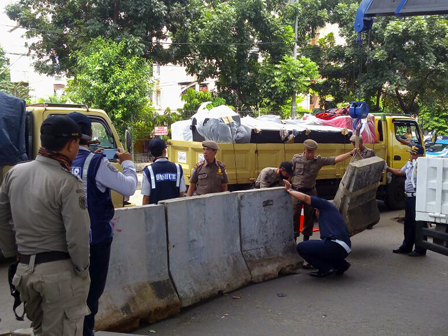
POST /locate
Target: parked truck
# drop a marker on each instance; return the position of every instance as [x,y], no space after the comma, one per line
[245,161]
[35,114]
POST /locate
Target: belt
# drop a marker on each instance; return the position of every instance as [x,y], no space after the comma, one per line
[411,194]
[304,189]
[45,257]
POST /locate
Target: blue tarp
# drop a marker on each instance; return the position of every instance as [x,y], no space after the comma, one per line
[12,130]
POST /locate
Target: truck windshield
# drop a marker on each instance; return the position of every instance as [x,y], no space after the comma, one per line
[102,133]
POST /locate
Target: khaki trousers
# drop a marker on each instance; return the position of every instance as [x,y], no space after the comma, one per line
[308,222]
[54,297]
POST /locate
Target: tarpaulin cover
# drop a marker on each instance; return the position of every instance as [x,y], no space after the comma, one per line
[12,130]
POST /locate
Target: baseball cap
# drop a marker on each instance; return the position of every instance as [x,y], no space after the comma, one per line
[156,144]
[416,150]
[84,123]
[288,167]
[59,127]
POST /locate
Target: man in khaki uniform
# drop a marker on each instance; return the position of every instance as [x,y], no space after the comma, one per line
[210,175]
[306,168]
[50,232]
[363,151]
[273,177]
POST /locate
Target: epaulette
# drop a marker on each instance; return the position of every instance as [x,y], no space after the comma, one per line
[222,165]
[200,163]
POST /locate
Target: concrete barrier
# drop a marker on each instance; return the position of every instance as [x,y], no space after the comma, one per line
[204,246]
[267,233]
[138,285]
[356,196]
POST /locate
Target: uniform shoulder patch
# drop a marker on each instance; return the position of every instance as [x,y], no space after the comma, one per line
[199,164]
[112,167]
[222,165]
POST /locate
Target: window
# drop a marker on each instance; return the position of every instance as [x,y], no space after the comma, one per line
[407,132]
[101,131]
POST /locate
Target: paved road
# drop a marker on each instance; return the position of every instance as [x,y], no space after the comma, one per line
[382,294]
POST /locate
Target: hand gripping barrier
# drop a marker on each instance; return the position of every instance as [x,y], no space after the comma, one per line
[267,233]
[138,285]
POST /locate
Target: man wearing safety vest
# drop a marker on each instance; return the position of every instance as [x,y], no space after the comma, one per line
[163,179]
[99,176]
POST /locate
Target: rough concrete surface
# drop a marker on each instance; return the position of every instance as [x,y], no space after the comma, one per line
[204,246]
[381,294]
[267,233]
[356,196]
[138,284]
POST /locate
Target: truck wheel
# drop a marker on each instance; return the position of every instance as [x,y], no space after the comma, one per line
[395,196]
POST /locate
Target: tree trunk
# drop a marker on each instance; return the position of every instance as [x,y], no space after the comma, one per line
[116,10]
[400,100]
[378,97]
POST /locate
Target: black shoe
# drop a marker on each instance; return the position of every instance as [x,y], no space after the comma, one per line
[416,254]
[400,251]
[341,270]
[370,227]
[320,274]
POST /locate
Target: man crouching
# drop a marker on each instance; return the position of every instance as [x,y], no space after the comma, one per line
[328,254]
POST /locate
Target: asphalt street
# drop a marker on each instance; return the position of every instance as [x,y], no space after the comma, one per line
[381,294]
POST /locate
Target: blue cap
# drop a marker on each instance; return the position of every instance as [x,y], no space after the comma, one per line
[416,150]
[156,144]
[84,122]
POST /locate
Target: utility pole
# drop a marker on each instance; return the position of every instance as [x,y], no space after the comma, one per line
[294,55]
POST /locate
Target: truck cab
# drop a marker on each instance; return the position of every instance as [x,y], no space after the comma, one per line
[102,128]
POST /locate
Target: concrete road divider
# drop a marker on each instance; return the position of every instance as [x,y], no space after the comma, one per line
[204,246]
[267,233]
[138,286]
[356,196]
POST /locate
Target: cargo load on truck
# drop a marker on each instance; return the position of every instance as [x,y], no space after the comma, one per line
[223,125]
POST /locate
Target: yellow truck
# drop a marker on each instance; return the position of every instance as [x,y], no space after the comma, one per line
[102,129]
[245,161]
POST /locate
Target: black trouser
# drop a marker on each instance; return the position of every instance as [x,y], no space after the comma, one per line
[323,254]
[410,226]
[99,266]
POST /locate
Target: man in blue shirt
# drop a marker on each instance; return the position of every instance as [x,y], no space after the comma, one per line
[410,171]
[99,177]
[328,254]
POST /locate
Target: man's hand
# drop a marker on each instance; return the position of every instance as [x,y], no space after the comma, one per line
[98,151]
[122,156]
[287,185]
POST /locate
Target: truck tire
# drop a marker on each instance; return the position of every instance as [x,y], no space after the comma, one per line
[395,196]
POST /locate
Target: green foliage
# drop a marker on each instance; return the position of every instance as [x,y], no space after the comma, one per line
[110,77]
[149,118]
[395,68]
[193,99]
[65,27]
[19,90]
[281,80]
[238,43]
[53,99]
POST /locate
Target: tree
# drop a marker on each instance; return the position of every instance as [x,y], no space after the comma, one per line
[18,89]
[109,77]
[193,99]
[393,68]
[63,28]
[238,42]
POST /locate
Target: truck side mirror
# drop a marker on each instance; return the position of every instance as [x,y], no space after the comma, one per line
[128,141]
